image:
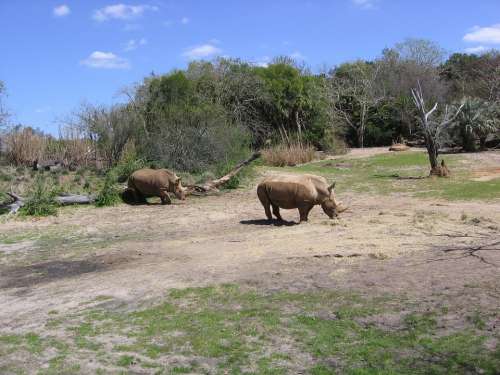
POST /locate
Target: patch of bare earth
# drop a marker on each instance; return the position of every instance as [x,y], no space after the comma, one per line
[358,153]
[382,244]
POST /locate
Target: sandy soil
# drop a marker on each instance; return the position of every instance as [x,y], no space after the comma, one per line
[357,153]
[394,244]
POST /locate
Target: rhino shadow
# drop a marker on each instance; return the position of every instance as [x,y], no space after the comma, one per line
[275,222]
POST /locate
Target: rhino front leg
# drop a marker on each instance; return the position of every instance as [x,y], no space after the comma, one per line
[276,212]
[304,213]
[165,197]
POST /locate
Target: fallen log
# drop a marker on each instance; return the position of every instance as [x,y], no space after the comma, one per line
[15,205]
[69,199]
[63,200]
[214,185]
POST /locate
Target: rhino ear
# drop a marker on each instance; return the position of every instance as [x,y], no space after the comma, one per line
[331,187]
[177,180]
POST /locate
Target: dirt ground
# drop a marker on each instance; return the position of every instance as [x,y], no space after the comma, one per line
[383,244]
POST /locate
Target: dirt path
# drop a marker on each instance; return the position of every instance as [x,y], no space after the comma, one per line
[357,153]
[383,244]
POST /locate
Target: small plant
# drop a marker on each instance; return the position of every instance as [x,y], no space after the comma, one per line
[41,200]
[109,194]
[288,155]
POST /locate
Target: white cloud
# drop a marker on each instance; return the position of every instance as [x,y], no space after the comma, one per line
[105,60]
[122,12]
[364,4]
[201,51]
[133,44]
[61,10]
[476,50]
[185,20]
[489,34]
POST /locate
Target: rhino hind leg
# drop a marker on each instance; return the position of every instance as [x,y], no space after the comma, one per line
[266,203]
[276,212]
[134,196]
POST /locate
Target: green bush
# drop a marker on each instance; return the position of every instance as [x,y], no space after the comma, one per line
[109,194]
[40,201]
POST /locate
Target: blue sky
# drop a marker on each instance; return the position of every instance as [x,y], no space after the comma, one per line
[57,54]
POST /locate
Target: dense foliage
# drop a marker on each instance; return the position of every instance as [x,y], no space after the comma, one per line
[209,115]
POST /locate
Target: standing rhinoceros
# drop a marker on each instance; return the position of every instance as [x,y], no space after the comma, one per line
[298,191]
[145,183]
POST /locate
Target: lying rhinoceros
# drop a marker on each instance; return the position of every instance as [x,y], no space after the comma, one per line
[298,191]
[145,183]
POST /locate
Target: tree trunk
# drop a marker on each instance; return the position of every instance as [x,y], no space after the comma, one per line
[482,143]
[362,138]
[361,129]
[433,152]
[468,140]
[299,127]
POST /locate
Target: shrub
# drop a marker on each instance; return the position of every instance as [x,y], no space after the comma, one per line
[333,143]
[194,138]
[128,163]
[109,194]
[288,155]
[40,201]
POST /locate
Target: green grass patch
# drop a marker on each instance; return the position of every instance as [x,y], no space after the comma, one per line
[404,173]
[239,331]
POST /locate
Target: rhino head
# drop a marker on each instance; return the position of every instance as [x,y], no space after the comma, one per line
[331,206]
[179,190]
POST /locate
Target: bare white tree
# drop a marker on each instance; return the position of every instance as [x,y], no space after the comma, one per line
[433,126]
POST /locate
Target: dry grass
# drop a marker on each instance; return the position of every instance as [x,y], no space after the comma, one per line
[288,155]
[24,147]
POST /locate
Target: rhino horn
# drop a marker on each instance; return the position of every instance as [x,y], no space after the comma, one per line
[341,208]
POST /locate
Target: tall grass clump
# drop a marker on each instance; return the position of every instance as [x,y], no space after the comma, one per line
[110,192]
[283,155]
[40,201]
[128,164]
[24,146]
